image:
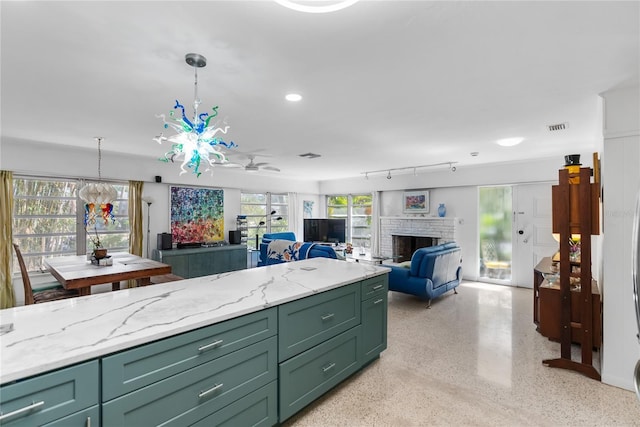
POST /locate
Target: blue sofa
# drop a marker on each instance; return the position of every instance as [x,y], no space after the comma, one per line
[432,272]
[293,253]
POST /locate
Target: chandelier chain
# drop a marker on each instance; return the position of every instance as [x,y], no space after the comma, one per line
[99,159]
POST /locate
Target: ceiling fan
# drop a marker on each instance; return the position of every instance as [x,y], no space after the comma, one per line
[253,166]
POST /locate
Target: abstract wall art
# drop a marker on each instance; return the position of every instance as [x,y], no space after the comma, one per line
[197,214]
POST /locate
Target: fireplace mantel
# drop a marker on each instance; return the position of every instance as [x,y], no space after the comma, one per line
[442,229]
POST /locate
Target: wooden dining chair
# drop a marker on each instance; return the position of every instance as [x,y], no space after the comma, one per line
[46,292]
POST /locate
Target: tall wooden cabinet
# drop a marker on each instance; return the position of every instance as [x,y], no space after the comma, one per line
[576,212]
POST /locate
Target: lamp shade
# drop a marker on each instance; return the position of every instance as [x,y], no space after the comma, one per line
[98,193]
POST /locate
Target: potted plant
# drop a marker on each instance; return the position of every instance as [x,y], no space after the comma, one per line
[98,251]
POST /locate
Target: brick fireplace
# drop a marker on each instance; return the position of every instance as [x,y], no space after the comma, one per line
[414,232]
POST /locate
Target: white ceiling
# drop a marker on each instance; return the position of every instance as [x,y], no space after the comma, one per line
[386,84]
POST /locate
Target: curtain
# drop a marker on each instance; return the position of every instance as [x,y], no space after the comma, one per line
[7,296]
[294,221]
[135,221]
[375,223]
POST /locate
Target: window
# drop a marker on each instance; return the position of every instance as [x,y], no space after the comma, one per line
[356,209]
[266,213]
[48,220]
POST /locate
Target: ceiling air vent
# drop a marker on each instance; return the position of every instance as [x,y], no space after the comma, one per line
[310,155]
[559,126]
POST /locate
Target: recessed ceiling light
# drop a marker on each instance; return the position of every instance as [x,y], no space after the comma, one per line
[509,142]
[332,6]
[474,154]
[293,97]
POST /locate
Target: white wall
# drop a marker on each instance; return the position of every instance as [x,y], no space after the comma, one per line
[621,184]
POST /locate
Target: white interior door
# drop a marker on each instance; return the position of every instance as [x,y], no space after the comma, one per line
[532,236]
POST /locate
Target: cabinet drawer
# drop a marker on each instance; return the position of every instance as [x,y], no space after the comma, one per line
[374,286]
[310,321]
[259,408]
[307,376]
[50,396]
[132,369]
[197,393]
[89,417]
[374,327]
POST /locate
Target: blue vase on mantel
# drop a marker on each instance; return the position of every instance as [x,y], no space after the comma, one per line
[442,210]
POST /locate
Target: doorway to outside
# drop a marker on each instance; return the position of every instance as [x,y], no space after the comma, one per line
[514,232]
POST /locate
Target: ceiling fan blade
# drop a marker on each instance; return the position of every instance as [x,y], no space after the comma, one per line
[271,168]
[260,164]
[232,165]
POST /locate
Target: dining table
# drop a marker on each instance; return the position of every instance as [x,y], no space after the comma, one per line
[78,272]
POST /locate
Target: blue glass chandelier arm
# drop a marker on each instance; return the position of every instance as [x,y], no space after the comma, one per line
[184,117]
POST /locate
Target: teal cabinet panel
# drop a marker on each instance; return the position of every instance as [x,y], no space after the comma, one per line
[258,409]
[375,286]
[307,376]
[307,322]
[374,327]
[89,417]
[49,397]
[197,262]
[132,369]
[204,264]
[179,265]
[188,397]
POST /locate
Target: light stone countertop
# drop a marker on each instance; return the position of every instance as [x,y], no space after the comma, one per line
[61,333]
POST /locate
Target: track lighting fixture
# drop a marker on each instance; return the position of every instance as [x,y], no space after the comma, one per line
[409,168]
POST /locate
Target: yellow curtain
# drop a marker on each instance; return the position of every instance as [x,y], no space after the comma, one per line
[7,296]
[135,221]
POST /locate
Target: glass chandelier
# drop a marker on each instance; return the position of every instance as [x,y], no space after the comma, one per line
[196,139]
[99,196]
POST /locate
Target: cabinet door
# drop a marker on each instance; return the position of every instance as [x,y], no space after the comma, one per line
[309,375]
[88,418]
[257,409]
[49,397]
[310,321]
[190,396]
[237,259]
[202,264]
[374,327]
[179,264]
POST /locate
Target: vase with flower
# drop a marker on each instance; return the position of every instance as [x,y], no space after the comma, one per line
[574,248]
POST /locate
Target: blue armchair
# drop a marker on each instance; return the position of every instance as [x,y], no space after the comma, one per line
[433,271]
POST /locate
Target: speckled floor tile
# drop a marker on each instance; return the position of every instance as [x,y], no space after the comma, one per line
[473,359]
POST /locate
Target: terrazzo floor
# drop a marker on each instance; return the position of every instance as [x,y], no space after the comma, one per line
[473,359]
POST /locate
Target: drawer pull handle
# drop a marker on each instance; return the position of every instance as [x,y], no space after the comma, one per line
[33,406]
[209,346]
[327,317]
[378,301]
[375,288]
[329,367]
[211,390]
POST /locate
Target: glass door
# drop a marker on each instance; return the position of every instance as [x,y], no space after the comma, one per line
[495,232]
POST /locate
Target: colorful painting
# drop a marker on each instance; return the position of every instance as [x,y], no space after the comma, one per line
[416,201]
[307,208]
[197,214]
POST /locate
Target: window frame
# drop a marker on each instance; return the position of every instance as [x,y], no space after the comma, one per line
[78,233]
[269,205]
[356,241]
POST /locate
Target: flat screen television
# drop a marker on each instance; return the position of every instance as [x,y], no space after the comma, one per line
[325,230]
